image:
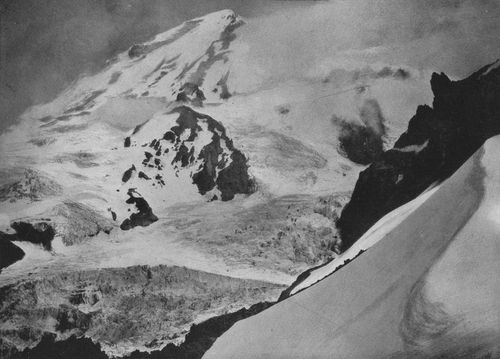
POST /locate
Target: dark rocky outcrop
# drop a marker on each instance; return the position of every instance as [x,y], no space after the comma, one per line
[224,93]
[234,178]
[126,307]
[71,348]
[136,50]
[128,174]
[362,142]
[218,165]
[144,215]
[199,339]
[169,136]
[231,179]
[9,252]
[75,222]
[38,233]
[438,141]
[190,92]
[32,185]
[304,275]
[201,336]
[144,176]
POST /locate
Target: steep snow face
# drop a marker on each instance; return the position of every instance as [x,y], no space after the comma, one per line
[434,296]
[158,68]
[379,230]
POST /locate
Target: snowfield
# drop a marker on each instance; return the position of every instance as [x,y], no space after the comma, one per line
[434,296]
[78,142]
[381,229]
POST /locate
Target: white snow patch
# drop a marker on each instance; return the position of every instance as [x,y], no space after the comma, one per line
[493,66]
[378,231]
[413,148]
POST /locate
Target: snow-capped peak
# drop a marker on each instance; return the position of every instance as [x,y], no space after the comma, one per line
[158,68]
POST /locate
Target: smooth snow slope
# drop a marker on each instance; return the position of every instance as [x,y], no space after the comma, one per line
[429,289]
[379,230]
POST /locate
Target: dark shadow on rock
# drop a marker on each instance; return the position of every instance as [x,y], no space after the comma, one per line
[362,142]
[230,179]
[144,215]
[9,252]
[128,174]
[49,348]
[38,233]
[438,141]
[199,339]
[201,336]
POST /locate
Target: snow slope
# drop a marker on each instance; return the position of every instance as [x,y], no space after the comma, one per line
[435,295]
[111,132]
[381,229]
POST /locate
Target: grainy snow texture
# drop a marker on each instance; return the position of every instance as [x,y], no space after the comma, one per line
[409,295]
[379,230]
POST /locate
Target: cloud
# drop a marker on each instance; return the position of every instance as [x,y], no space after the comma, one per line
[452,36]
[46,44]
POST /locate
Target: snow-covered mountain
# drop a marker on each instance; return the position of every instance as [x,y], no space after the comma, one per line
[185,152]
[419,283]
[184,119]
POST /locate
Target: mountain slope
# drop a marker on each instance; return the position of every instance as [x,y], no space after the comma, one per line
[185,119]
[189,150]
[416,302]
[438,141]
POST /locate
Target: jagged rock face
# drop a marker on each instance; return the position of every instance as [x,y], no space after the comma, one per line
[33,186]
[191,93]
[9,252]
[438,141]
[201,336]
[38,233]
[123,308]
[75,222]
[409,294]
[49,347]
[199,339]
[72,221]
[288,233]
[196,144]
[329,206]
[363,142]
[360,144]
[144,215]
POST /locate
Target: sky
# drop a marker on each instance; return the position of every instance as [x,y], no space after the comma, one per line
[47,44]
